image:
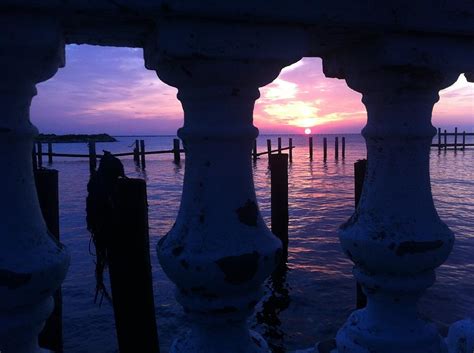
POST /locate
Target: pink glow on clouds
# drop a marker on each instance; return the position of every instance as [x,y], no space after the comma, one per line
[109,90]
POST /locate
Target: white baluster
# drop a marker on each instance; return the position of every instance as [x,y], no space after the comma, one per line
[395,238]
[219,251]
[32,263]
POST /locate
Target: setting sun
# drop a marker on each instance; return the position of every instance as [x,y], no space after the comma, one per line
[307,131]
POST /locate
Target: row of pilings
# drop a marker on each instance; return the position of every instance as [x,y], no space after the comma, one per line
[140,152]
[131,282]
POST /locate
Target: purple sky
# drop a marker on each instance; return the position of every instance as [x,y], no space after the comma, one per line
[105,89]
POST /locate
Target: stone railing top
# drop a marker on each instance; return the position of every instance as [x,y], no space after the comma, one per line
[126,22]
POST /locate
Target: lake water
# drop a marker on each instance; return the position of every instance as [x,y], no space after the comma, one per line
[319,292]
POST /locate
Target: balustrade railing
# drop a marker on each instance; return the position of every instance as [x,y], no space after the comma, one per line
[220,251]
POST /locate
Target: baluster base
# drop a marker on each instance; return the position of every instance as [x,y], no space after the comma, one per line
[225,338]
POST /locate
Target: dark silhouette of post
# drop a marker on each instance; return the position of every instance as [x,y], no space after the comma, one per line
[176,151]
[279,145]
[360,168]
[34,157]
[439,138]
[51,337]
[269,149]
[279,198]
[290,145]
[343,147]
[463,140]
[455,138]
[130,270]
[445,140]
[50,153]
[325,149]
[311,148]
[254,151]
[40,155]
[136,152]
[142,154]
[336,148]
[92,157]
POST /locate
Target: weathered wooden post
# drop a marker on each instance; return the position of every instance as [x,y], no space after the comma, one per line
[336,148]
[130,270]
[445,140]
[325,149]
[279,145]
[50,153]
[46,181]
[34,157]
[439,138]
[92,157]
[343,147]
[269,149]
[463,140]
[254,151]
[360,168]
[290,145]
[142,154]
[176,151]
[455,138]
[136,152]
[279,198]
[311,148]
[40,155]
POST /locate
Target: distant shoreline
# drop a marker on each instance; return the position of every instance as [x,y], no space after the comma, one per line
[73,138]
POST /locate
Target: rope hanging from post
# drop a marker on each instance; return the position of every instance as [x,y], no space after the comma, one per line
[100,214]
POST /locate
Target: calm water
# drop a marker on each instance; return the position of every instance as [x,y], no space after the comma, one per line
[319,292]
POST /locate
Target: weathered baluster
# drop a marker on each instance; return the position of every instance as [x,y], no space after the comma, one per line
[219,251]
[395,238]
[32,263]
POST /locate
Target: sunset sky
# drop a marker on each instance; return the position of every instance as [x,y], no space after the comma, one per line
[109,90]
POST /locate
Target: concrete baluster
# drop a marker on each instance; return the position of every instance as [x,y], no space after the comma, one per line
[32,263]
[219,251]
[395,238]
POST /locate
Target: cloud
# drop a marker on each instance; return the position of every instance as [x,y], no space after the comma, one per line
[104,89]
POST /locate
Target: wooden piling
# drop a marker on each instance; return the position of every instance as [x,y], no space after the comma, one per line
[92,157]
[50,153]
[34,157]
[290,145]
[269,149]
[343,147]
[130,270]
[311,148]
[279,145]
[325,149]
[279,198]
[136,152]
[463,140]
[336,148]
[445,140]
[40,155]
[254,151]
[455,138]
[439,138]
[51,337]
[142,154]
[360,168]
[176,151]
